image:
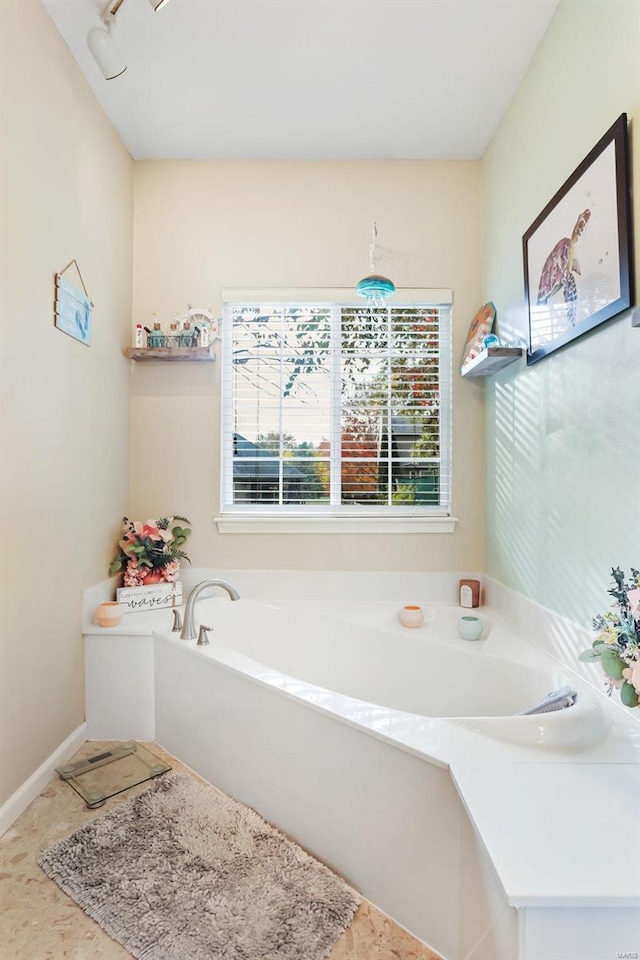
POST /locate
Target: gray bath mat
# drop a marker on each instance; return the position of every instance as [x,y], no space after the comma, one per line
[182,872]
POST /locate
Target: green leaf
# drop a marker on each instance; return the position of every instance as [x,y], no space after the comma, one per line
[588,656]
[180,555]
[612,664]
[183,532]
[628,695]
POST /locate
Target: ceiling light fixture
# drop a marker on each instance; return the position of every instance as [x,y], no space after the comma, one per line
[102,45]
[375,287]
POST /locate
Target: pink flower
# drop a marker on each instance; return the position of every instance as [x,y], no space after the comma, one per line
[633,596]
[150,530]
[134,576]
[632,675]
[171,571]
[146,546]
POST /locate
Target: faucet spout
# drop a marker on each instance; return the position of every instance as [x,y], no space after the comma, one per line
[189,631]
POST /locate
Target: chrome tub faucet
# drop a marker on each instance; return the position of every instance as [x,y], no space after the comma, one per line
[189,631]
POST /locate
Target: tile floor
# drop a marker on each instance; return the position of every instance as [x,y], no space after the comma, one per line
[40,922]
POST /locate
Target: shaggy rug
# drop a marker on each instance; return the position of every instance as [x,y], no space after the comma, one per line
[182,872]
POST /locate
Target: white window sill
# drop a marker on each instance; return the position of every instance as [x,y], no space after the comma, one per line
[261,524]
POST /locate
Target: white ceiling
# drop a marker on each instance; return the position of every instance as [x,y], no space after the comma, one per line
[310,79]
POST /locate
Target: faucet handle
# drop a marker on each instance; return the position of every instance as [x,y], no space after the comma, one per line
[177,621]
[203,639]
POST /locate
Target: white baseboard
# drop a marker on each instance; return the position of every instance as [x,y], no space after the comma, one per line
[26,794]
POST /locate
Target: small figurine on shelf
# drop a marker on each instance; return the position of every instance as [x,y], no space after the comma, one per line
[481,326]
[203,319]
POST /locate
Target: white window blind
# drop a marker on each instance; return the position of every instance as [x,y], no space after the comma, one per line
[336,409]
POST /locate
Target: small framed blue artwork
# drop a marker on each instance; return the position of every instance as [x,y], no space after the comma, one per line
[73,309]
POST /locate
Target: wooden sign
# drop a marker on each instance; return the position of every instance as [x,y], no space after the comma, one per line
[73,308]
[155,597]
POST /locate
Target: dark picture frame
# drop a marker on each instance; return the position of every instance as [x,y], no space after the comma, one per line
[578,265]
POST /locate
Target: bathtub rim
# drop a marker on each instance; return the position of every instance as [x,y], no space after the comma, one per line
[440,740]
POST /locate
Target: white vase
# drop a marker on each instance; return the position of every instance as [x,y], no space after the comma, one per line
[470,628]
[411,616]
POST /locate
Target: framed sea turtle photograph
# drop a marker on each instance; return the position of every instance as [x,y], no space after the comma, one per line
[577,256]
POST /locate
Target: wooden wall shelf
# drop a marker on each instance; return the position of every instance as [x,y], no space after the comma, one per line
[491,360]
[170,353]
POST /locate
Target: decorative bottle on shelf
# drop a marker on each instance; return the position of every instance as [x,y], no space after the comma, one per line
[156,337]
[186,337]
[139,336]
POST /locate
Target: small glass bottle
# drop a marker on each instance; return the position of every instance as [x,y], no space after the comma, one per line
[156,337]
[186,337]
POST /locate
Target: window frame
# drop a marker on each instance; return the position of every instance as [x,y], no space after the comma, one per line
[330,518]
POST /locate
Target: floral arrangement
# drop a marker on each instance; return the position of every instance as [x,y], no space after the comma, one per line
[151,552]
[617,645]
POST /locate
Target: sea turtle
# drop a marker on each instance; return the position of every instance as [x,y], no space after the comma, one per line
[559,267]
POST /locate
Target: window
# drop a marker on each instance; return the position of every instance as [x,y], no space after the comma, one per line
[336,410]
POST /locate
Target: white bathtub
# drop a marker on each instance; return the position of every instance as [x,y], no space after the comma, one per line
[339,725]
[358,662]
[394,755]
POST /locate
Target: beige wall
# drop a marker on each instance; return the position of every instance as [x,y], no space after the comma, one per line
[563,449]
[67,192]
[201,227]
